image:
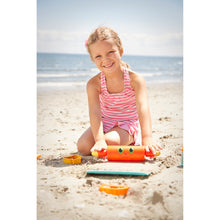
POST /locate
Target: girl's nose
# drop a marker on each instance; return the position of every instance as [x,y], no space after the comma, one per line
[105,59]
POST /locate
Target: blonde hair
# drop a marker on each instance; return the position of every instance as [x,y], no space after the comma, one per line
[105,33]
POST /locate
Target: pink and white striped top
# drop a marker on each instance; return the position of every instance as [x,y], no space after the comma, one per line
[119,109]
[118,106]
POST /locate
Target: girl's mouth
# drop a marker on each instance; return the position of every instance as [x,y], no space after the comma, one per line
[108,66]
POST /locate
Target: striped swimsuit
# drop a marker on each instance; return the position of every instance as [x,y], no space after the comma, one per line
[119,109]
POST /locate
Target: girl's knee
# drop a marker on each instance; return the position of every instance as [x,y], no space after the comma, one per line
[85,142]
[82,147]
[111,141]
[118,136]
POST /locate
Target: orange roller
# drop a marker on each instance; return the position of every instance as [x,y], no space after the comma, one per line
[124,153]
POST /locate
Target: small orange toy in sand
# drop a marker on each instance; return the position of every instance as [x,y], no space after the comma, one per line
[38,156]
[114,189]
[73,159]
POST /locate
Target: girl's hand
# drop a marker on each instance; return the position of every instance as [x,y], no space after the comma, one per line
[99,145]
[150,145]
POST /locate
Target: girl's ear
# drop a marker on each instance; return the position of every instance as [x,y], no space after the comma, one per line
[121,51]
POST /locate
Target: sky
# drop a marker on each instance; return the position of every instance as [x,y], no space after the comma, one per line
[146,27]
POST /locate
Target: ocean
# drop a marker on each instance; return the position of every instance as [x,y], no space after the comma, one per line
[74,70]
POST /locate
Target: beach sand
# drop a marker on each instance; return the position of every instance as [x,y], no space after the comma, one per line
[64,191]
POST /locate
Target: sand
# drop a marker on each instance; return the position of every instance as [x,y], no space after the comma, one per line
[64,191]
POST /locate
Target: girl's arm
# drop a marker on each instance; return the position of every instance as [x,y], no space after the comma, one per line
[93,90]
[139,85]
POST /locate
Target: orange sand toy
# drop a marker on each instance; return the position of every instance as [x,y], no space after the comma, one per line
[114,189]
[125,153]
[38,156]
[73,159]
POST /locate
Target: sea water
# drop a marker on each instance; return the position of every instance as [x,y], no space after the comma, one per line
[74,70]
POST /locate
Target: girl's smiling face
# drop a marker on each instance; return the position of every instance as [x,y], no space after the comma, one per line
[106,55]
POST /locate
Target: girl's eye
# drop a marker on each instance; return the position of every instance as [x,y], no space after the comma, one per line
[111,51]
[120,150]
[131,149]
[97,57]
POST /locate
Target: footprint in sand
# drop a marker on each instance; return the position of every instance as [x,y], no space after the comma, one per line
[166,136]
[157,197]
[164,119]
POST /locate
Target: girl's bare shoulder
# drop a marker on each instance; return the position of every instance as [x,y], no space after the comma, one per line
[136,79]
[94,83]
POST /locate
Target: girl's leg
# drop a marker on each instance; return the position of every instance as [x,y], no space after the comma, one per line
[118,136]
[115,136]
[86,142]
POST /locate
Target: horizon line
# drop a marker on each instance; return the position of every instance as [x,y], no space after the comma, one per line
[122,55]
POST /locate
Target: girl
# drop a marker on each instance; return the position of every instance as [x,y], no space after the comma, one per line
[117,97]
